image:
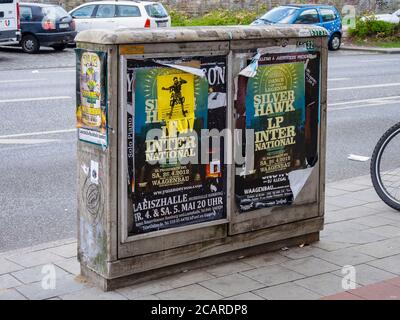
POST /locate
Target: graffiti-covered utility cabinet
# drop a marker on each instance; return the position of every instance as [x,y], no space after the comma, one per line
[197,146]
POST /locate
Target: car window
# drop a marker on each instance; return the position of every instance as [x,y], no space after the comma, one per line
[308,17]
[279,15]
[54,12]
[84,12]
[328,15]
[156,10]
[128,11]
[26,14]
[105,11]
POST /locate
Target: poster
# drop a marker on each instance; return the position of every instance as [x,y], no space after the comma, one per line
[281,104]
[91,97]
[170,183]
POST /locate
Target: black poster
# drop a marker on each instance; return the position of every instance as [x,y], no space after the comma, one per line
[174,180]
[281,105]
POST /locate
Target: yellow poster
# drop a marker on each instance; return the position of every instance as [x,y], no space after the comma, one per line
[175,95]
[90,113]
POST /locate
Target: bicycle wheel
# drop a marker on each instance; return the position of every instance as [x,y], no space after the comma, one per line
[385,167]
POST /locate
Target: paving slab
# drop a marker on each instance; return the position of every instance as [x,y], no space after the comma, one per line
[360,237]
[192,292]
[310,266]
[36,258]
[324,284]
[287,291]
[345,226]
[329,245]
[187,278]
[7,281]
[71,265]
[228,268]
[389,264]
[368,195]
[273,275]
[344,257]
[11,294]
[7,266]
[144,289]
[264,260]
[36,274]
[66,251]
[245,296]
[373,221]
[344,201]
[387,231]
[348,186]
[301,252]
[331,208]
[93,294]
[150,297]
[350,213]
[332,192]
[380,249]
[66,285]
[232,285]
[366,274]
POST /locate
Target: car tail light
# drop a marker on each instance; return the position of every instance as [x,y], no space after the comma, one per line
[147,24]
[48,25]
[18,17]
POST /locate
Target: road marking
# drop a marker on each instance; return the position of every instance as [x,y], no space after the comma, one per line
[21,80]
[383,99]
[354,157]
[26,141]
[40,133]
[53,71]
[338,79]
[379,60]
[367,87]
[36,99]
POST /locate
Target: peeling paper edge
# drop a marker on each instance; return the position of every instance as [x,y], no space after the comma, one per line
[196,71]
[251,70]
[298,179]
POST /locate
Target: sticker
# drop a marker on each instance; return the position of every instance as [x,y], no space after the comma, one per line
[91,97]
[195,71]
[127,50]
[94,172]
[85,169]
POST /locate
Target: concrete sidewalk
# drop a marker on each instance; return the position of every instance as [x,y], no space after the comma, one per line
[360,231]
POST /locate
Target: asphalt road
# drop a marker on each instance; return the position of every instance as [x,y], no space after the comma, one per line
[38,141]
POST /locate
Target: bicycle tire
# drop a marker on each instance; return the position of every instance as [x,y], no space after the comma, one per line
[376,177]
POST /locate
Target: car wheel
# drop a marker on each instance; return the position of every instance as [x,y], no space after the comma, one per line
[59,47]
[335,42]
[30,44]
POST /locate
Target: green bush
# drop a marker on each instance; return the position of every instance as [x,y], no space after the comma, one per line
[372,28]
[214,18]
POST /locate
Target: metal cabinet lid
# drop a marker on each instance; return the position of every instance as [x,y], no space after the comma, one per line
[194,34]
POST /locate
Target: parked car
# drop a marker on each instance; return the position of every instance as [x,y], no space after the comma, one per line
[9,22]
[319,15]
[45,25]
[120,14]
[389,17]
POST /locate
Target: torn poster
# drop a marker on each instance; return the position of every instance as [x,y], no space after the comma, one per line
[281,104]
[170,185]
